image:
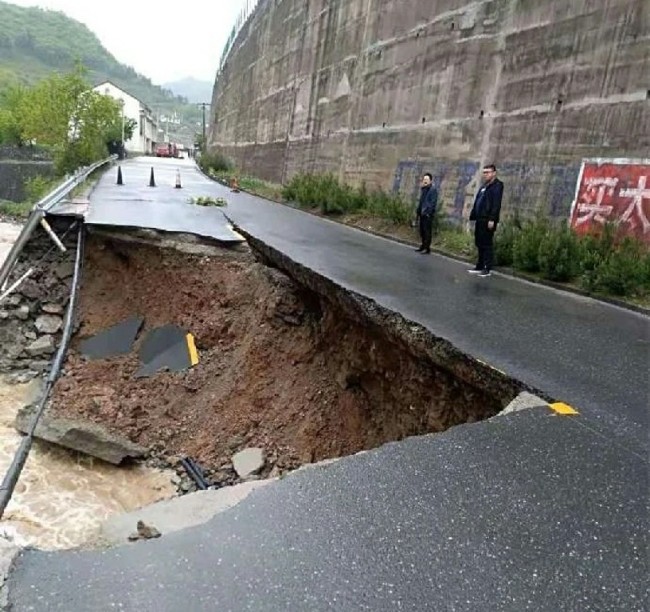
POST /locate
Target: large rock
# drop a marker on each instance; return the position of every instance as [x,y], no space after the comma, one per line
[248,462]
[48,324]
[41,346]
[87,438]
[64,270]
[12,339]
[52,308]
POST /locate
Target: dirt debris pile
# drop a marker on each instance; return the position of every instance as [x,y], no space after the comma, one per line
[282,368]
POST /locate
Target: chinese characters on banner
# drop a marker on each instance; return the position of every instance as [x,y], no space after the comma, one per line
[613,191]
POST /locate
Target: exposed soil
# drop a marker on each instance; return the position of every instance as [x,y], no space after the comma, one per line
[280,366]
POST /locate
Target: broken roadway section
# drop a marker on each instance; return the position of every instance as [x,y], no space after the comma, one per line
[529,511]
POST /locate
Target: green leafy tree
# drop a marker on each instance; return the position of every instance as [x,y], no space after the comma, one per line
[11,131]
[114,133]
[35,43]
[63,112]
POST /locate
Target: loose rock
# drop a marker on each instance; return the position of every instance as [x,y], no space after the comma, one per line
[51,308]
[65,270]
[144,532]
[22,313]
[49,324]
[248,462]
[41,346]
[13,300]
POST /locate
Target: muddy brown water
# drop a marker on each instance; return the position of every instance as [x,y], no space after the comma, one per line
[62,497]
[8,234]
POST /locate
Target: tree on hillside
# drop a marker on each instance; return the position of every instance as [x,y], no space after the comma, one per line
[34,43]
[64,113]
[10,103]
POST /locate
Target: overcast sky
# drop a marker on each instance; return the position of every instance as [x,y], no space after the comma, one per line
[135,31]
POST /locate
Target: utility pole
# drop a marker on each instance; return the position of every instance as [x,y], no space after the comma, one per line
[122,145]
[203,105]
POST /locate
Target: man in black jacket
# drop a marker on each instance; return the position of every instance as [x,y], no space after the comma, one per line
[486,212]
[425,213]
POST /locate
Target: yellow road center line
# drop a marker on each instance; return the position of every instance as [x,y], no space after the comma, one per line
[563,409]
[191,347]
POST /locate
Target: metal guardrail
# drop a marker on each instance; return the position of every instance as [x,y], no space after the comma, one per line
[37,217]
[241,20]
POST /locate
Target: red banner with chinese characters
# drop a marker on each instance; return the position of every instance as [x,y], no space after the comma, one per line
[613,191]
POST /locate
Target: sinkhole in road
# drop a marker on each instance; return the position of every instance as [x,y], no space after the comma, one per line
[283,366]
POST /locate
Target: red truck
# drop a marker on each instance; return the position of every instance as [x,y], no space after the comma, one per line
[167,149]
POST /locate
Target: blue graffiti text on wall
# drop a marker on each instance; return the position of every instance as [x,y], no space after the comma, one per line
[530,186]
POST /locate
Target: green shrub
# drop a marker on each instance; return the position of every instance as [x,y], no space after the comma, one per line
[645,273]
[300,189]
[526,244]
[456,240]
[389,206]
[332,197]
[624,271]
[504,241]
[559,254]
[38,186]
[595,249]
[215,162]
[325,192]
[361,198]
[17,210]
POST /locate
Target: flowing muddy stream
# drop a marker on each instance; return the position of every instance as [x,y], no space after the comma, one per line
[62,497]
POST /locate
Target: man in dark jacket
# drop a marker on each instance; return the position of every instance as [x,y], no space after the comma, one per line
[426,211]
[486,212]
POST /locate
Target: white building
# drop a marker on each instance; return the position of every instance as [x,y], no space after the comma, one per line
[146,130]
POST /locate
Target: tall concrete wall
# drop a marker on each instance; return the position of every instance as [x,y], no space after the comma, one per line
[381,90]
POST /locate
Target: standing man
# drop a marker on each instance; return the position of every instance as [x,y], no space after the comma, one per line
[485,212]
[425,213]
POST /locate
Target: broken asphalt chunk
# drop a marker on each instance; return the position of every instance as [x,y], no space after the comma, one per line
[116,340]
[167,348]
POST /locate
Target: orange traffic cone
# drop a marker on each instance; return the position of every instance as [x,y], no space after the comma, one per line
[178,178]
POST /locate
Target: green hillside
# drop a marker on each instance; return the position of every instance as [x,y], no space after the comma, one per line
[35,42]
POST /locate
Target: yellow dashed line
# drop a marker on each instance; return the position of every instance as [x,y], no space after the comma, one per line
[563,409]
[191,347]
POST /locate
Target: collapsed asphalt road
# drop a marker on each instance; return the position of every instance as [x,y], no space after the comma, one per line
[589,354]
[527,512]
[304,373]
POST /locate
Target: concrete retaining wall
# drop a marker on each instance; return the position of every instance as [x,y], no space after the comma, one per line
[17,166]
[381,90]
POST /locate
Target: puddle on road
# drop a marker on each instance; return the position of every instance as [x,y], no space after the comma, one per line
[62,497]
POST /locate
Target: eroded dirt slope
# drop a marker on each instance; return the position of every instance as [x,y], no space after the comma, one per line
[280,367]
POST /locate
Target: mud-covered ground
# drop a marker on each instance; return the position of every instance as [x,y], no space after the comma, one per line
[280,367]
